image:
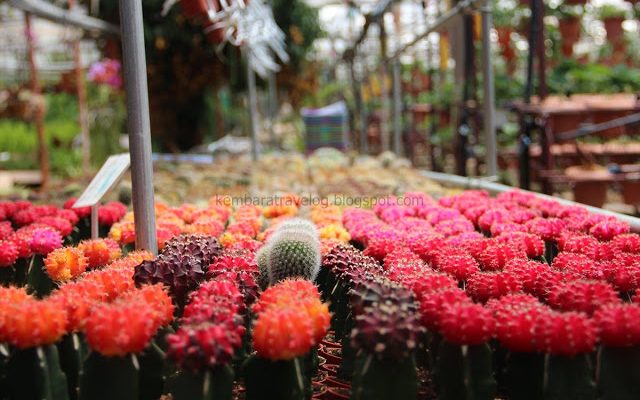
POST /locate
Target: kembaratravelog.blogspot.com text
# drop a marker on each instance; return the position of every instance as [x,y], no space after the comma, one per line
[338,200]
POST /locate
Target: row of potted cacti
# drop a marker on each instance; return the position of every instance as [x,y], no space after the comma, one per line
[509,295]
[499,305]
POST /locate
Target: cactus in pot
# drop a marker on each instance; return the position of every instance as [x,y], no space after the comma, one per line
[385,335]
[618,376]
[291,320]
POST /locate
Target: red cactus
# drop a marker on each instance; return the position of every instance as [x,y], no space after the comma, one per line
[8,253]
[21,242]
[466,324]
[585,296]
[619,325]
[62,225]
[203,346]
[549,229]
[517,329]
[625,278]
[429,283]
[566,334]
[432,305]
[498,254]
[6,231]
[460,266]
[492,285]
[607,230]
[532,245]
[44,240]
[499,228]
[628,243]
[576,243]
[493,216]
[534,276]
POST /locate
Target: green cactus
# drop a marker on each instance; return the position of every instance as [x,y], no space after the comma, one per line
[290,257]
[35,374]
[569,378]
[376,378]
[618,373]
[464,372]
[262,257]
[524,375]
[108,378]
[214,384]
[72,350]
[285,380]
[38,281]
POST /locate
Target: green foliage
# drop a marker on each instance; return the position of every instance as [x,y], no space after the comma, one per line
[611,11]
[328,93]
[19,138]
[300,22]
[570,77]
[106,117]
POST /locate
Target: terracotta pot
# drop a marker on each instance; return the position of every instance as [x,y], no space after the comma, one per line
[335,382]
[444,118]
[570,33]
[504,36]
[565,122]
[614,30]
[331,354]
[631,192]
[589,184]
[420,112]
[337,394]
[332,369]
[329,344]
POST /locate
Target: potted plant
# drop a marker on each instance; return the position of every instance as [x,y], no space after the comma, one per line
[569,18]
[612,16]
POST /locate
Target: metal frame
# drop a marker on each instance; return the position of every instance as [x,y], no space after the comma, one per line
[138,124]
[50,12]
[487,71]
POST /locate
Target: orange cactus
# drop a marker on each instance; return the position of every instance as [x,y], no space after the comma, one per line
[333,231]
[120,328]
[157,298]
[100,252]
[283,334]
[33,323]
[65,263]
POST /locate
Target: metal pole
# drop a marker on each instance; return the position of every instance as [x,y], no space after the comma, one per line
[95,223]
[273,107]
[397,109]
[489,93]
[81,93]
[138,124]
[43,152]
[253,110]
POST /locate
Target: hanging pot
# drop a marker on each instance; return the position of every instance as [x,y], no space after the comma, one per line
[613,26]
[589,183]
[570,32]
[198,8]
